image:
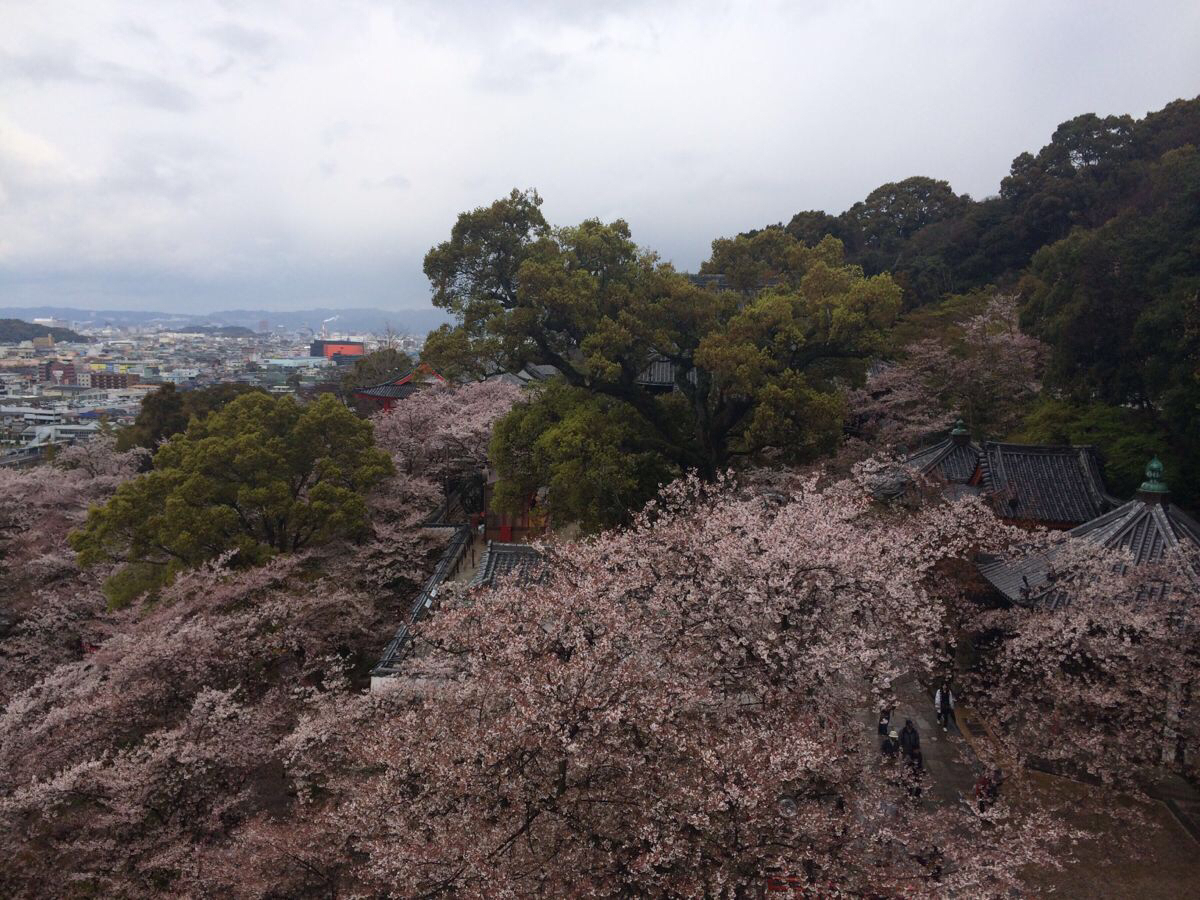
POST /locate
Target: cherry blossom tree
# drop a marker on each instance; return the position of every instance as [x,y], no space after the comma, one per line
[39,505]
[99,458]
[684,707]
[679,709]
[48,609]
[133,769]
[443,431]
[985,371]
[1095,676]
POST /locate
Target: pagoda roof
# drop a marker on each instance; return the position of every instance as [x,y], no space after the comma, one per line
[1147,529]
[1059,485]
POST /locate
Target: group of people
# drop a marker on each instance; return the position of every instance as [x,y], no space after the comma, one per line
[906,744]
[908,739]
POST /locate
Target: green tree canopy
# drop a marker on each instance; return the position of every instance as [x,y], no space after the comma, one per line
[258,477]
[168,410]
[936,242]
[746,371]
[894,212]
[1126,438]
[595,460]
[1120,304]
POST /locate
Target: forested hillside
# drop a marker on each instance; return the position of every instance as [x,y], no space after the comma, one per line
[13,331]
[1097,234]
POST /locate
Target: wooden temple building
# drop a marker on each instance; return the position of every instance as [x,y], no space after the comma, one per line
[385,395]
[1149,527]
[1048,485]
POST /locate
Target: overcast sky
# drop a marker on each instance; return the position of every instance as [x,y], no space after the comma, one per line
[197,156]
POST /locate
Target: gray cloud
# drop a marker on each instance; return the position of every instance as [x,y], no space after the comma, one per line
[66,67]
[222,154]
[518,68]
[239,39]
[392,182]
[147,88]
[43,67]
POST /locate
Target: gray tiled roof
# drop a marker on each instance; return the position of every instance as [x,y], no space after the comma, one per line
[539,372]
[948,460]
[1056,485]
[1148,530]
[659,372]
[390,391]
[520,560]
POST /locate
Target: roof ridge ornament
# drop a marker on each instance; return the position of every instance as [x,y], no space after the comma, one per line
[959,433]
[1154,483]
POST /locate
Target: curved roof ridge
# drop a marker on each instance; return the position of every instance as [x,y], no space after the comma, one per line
[956,462]
[1045,448]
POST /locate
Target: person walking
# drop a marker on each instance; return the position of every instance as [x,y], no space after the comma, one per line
[910,739]
[916,762]
[891,744]
[943,704]
[987,789]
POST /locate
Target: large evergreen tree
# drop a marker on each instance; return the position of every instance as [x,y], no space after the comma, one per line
[261,476]
[750,370]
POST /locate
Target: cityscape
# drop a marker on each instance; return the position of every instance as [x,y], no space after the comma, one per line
[54,392]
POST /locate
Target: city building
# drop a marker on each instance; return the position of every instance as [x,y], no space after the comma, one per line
[331,349]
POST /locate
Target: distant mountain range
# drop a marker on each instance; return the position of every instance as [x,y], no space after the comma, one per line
[403,321]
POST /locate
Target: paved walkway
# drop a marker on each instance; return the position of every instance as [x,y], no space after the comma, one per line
[1160,862]
[949,760]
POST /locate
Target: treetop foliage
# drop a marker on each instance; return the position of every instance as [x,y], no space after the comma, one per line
[260,476]
[750,371]
[168,410]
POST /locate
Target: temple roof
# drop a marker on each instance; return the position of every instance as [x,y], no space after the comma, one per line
[951,460]
[1147,527]
[1058,485]
[400,385]
[520,560]
[659,372]
[529,373]
[390,391]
